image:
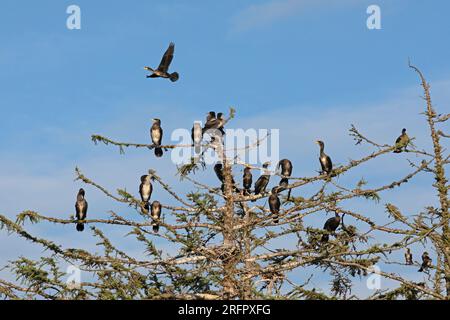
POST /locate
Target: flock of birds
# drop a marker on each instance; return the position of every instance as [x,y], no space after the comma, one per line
[214,126]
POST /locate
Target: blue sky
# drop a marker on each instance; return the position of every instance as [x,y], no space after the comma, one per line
[311,68]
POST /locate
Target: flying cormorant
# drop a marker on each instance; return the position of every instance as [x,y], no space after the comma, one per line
[81,207]
[156,133]
[163,69]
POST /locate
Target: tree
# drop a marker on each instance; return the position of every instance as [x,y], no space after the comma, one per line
[228,245]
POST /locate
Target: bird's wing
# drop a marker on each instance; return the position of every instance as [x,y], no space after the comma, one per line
[167,58]
[140,191]
[329,162]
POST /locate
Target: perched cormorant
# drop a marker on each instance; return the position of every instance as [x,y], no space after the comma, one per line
[211,116]
[163,69]
[146,188]
[408,257]
[286,171]
[156,133]
[197,136]
[247,180]
[221,122]
[81,207]
[218,169]
[274,204]
[211,122]
[325,160]
[330,226]
[426,262]
[263,181]
[402,142]
[156,215]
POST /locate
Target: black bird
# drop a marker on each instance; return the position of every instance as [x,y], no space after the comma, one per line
[330,227]
[211,116]
[263,181]
[408,257]
[218,169]
[156,215]
[402,142]
[426,262]
[286,171]
[146,208]
[211,122]
[274,204]
[247,180]
[325,160]
[197,136]
[146,188]
[221,123]
[156,133]
[163,69]
[81,207]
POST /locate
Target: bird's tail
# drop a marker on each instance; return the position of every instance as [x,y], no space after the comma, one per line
[174,77]
[158,152]
[276,219]
[155,227]
[146,208]
[421,269]
[325,238]
[80,227]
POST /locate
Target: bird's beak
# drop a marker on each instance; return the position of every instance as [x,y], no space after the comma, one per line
[317,142]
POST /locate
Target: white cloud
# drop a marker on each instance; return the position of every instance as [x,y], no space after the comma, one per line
[258,15]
